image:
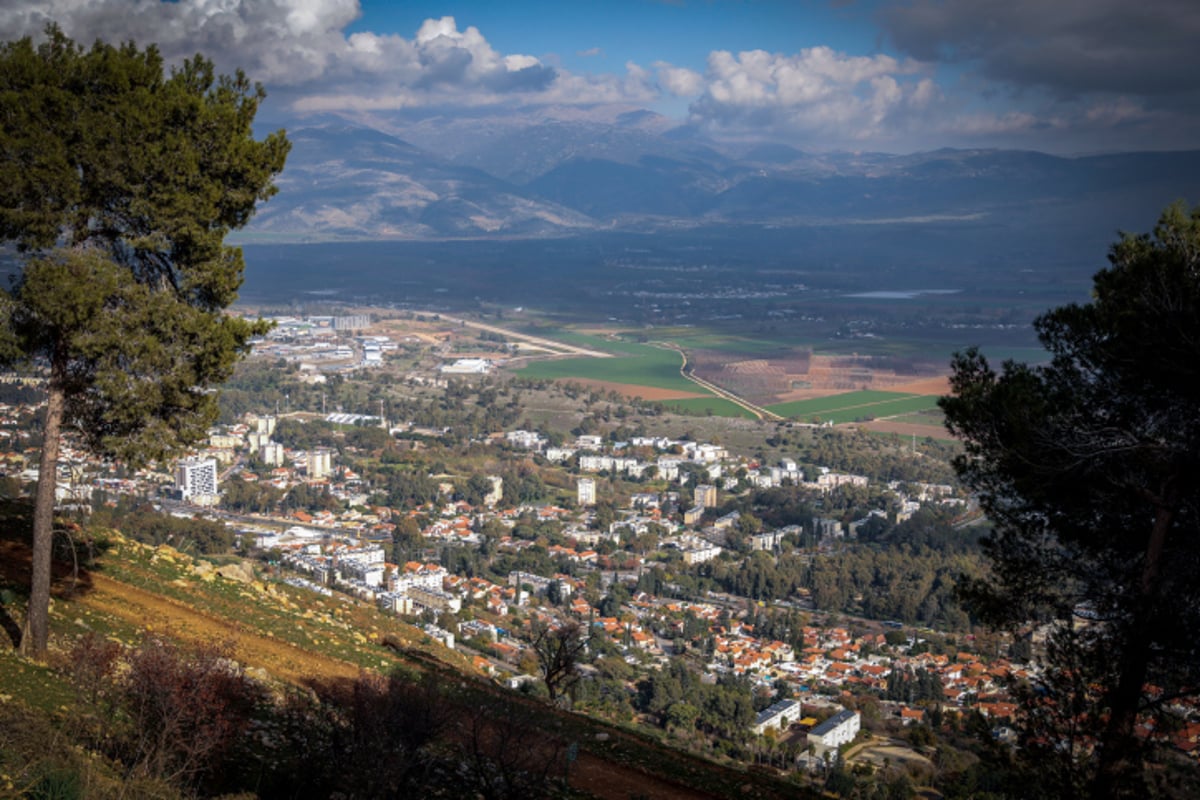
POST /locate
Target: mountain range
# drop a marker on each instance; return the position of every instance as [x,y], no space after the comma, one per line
[551,176]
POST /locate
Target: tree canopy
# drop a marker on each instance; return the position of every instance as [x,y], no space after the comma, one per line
[1089,466]
[119,182]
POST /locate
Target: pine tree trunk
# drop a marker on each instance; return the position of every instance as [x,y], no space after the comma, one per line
[1117,743]
[37,620]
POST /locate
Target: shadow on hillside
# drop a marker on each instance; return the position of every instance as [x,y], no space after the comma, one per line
[74,553]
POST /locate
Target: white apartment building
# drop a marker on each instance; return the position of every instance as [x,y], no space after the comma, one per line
[320,464]
[586,492]
[839,729]
[196,478]
[272,453]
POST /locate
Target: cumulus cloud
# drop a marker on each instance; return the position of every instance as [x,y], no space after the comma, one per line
[300,48]
[280,41]
[816,93]
[679,81]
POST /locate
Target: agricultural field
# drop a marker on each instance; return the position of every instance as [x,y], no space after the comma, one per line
[641,370]
[856,406]
[786,378]
[717,406]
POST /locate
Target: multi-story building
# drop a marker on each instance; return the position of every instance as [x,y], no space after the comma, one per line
[271,453]
[586,492]
[839,729]
[196,479]
[320,464]
[778,716]
[706,495]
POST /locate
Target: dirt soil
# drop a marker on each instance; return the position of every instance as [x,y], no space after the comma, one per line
[904,429]
[938,386]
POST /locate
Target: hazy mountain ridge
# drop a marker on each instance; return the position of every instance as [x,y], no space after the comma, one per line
[549,178]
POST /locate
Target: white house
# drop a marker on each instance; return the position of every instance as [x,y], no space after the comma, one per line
[839,729]
[780,715]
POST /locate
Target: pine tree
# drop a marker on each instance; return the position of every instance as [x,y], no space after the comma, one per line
[1089,466]
[119,183]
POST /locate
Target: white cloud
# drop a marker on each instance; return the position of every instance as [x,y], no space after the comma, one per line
[679,81]
[299,48]
[1079,87]
[817,93]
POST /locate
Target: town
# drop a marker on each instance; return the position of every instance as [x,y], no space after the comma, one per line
[623,553]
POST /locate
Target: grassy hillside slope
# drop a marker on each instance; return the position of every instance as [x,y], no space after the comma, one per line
[288,641]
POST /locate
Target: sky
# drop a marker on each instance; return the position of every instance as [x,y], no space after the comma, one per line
[1059,76]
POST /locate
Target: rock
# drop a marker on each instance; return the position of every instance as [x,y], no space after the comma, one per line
[258,673]
[233,572]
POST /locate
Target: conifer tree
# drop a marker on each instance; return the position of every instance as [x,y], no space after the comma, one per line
[1089,466]
[118,184]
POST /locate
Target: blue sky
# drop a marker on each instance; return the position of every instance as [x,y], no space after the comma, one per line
[1062,76]
[643,31]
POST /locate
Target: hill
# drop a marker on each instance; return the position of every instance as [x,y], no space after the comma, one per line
[321,680]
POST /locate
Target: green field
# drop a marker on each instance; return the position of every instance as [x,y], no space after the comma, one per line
[853,406]
[691,339]
[932,416]
[700,405]
[637,364]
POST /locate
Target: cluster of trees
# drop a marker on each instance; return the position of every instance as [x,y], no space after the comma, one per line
[916,586]
[861,453]
[680,700]
[909,573]
[249,497]
[144,524]
[920,685]
[311,498]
